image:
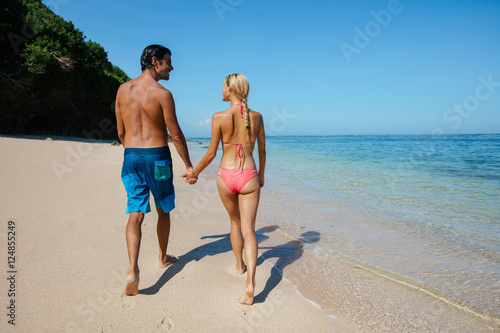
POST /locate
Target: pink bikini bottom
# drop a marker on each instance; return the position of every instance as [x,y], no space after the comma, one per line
[236,179]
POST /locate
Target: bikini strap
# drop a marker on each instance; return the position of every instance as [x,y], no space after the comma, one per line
[239,152]
[241,109]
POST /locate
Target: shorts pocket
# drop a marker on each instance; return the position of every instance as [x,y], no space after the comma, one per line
[162,170]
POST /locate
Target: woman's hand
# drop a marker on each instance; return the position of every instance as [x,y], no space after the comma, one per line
[190,177]
[261,180]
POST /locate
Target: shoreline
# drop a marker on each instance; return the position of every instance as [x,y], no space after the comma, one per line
[461,315]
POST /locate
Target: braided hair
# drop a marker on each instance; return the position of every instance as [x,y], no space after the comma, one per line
[240,87]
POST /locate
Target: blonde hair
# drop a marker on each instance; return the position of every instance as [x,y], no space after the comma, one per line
[241,88]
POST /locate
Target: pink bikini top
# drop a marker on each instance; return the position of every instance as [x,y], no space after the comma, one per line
[239,151]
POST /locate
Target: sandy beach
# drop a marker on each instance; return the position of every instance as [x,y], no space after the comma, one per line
[67,203]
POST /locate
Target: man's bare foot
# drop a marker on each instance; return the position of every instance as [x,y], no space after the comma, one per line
[132,285]
[247,297]
[165,262]
[240,269]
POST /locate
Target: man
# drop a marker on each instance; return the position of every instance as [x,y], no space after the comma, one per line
[144,112]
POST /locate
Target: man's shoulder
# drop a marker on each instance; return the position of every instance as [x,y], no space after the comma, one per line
[148,85]
[127,85]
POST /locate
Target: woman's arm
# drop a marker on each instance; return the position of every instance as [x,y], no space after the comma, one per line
[261,144]
[212,148]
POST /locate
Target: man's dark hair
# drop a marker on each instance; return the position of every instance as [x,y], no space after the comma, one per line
[151,51]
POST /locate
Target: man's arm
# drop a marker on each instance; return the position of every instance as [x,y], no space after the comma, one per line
[119,120]
[170,118]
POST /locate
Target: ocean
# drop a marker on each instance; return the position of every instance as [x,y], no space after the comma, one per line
[420,209]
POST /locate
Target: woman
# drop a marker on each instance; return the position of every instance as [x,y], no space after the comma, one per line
[238,181]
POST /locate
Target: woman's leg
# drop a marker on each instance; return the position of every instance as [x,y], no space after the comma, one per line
[248,204]
[230,201]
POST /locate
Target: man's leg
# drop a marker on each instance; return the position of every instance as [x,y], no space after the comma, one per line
[133,234]
[163,232]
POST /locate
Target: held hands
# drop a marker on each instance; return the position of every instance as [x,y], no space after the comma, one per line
[189,176]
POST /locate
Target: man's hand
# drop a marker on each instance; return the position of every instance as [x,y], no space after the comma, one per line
[189,176]
[261,180]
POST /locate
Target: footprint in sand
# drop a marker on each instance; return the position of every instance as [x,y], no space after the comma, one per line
[166,323]
[127,302]
[231,270]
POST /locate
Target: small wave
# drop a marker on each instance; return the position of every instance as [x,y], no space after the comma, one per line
[312,245]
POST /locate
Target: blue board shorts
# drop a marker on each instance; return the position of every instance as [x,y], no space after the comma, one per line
[145,170]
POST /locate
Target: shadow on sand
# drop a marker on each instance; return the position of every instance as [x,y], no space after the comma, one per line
[286,253]
[221,245]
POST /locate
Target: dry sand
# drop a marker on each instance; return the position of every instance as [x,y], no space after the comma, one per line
[68,204]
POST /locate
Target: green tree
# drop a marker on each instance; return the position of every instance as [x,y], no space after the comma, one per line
[55,81]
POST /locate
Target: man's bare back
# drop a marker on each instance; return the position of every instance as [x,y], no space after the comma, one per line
[143,107]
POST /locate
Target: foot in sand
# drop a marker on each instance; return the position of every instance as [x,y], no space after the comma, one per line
[247,297]
[167,261]
[240,269]
[132,286]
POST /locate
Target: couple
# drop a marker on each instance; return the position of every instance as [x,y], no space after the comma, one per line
[144,109]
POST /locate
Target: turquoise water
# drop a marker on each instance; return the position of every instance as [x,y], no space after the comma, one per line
[420,209]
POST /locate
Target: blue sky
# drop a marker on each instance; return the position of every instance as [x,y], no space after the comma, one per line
[316,67]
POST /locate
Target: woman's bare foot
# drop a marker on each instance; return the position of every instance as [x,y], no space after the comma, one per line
[240,269]
[132,285]
[167,261]
[247,297]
